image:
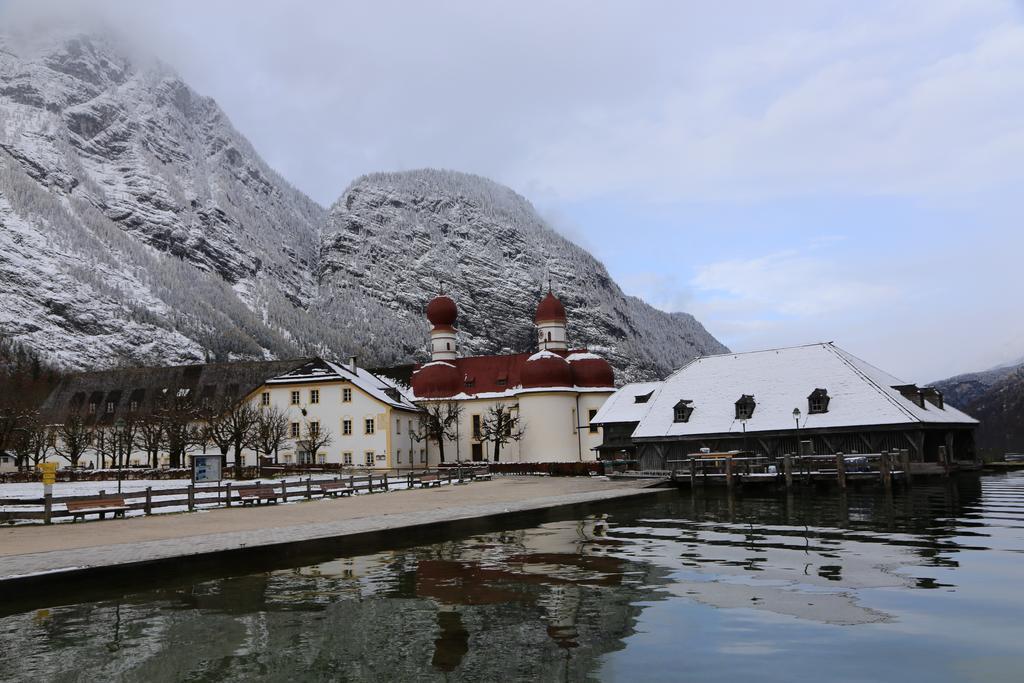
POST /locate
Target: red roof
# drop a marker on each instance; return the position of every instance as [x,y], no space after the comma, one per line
[550,308]
[442,311]
[485,374]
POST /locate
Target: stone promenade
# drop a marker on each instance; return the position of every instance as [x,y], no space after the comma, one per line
[63,549]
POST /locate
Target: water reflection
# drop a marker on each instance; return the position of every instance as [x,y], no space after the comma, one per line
[641,589]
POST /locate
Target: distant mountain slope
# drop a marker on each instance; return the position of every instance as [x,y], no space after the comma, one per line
[400,237]
[136,225]
[996,398]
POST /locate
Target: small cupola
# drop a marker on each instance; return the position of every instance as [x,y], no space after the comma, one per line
[442,314]
[745,407]
[817,402]
[551,324]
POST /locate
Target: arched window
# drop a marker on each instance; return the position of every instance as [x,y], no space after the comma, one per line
[549,335]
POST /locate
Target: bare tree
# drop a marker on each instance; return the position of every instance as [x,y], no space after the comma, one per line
[314,437]
[500,426]
[12,421]
[149,437]
[74,437]
[179,433]
[272,430]
[32,443]
[439,422]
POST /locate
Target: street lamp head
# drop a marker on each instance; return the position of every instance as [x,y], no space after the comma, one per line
[796,413]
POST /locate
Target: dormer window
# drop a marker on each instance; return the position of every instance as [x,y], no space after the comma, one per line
[817,402]
[933,396]
[110,407]
[745,407]
[911,393]
[643,398]
[681,411]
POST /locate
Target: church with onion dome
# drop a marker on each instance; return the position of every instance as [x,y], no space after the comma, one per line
[554,392]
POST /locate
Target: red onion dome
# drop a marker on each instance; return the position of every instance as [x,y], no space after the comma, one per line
[436,380]
[442,312]
[590,370]
[546,369]
[550,309]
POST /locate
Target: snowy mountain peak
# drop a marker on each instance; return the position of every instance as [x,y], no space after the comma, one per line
[138,226]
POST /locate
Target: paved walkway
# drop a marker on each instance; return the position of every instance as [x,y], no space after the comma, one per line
[62,548]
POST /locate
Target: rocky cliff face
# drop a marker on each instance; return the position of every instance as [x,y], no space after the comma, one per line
[401,237]
[137,226]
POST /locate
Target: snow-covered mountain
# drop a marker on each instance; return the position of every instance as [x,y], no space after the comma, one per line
[138,226]
[399,237]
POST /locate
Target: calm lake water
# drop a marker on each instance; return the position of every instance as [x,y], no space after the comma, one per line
[924,585]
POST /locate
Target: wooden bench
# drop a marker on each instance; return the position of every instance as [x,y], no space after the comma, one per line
[255,494]
[335,489]
[429,480]
[481,474]
[98,506]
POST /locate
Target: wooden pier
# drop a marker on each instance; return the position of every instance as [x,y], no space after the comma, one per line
[737,470]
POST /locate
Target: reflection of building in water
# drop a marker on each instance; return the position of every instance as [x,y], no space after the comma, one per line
[540,604]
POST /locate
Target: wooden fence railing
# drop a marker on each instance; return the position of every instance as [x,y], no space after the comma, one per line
[228,494]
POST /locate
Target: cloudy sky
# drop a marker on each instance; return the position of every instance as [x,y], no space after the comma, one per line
[787,171]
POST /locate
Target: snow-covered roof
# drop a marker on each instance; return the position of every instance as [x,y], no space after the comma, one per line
[781,380]
[583,355]
[623,406]
[544,353]
[383,389]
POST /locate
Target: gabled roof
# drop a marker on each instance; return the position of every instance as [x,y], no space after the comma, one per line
[781,380]
[383,389]
[150,387]
[622,405]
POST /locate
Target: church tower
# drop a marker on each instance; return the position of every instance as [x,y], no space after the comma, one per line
[442,313]
[550,321]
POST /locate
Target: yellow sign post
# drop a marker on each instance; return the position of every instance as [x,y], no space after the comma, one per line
[49,470]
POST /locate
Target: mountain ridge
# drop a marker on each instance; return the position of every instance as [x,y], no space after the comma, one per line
[138,226]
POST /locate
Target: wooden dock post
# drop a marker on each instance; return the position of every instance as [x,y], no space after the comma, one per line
[309,488]
[284,491]
[944,460]
[693,473]
[905,464]
[885,471]
[48,507]
[227,494]
[841,470]
[787,470]
[149,500]
[728,472]
[191,497]
[385,481]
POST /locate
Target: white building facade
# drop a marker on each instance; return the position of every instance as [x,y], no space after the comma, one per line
[553,393]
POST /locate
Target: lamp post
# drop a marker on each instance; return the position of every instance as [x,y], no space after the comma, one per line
[796,416]
[118,446]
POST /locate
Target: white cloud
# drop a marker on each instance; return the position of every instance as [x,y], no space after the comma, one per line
[787,284]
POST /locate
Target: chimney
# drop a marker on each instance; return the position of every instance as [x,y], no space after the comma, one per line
[352,364]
